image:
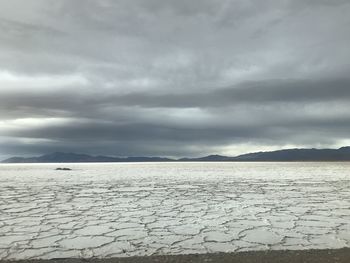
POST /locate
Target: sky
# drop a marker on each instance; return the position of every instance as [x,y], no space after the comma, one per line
[173,78]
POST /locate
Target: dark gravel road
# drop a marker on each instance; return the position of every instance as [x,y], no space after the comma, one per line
[303,256]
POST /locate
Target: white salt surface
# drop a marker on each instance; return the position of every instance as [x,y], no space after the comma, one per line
[124,209]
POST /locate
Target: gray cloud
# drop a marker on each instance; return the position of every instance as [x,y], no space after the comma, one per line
[155,77]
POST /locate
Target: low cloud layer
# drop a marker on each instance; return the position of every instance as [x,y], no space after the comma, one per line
[173,78]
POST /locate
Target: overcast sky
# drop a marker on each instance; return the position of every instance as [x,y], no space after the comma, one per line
[173,78]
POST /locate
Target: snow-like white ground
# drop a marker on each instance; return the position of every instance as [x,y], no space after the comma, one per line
[116,210]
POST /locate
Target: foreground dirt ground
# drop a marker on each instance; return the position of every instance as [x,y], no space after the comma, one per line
[297,256]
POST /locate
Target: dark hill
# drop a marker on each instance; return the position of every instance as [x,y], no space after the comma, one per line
[59,157]
[288,155]
[341,154]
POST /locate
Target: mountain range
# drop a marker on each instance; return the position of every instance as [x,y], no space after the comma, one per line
[287,155]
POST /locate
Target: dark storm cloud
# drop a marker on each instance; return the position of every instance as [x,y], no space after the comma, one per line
[158,77]
[270,91]
[263,92]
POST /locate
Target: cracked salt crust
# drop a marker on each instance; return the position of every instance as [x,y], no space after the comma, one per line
[121,210]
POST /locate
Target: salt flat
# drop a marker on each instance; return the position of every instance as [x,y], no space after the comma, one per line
[124,209]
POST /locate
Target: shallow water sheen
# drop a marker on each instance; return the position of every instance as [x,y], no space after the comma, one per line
[127,209]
